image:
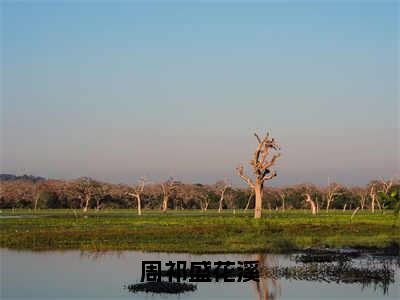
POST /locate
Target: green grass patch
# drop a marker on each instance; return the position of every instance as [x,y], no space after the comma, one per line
[194,231]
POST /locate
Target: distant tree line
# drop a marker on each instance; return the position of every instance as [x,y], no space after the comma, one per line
[5,177]
[86,193]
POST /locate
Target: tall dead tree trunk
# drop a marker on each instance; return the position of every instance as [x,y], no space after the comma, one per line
[36,202]
[165,202]
[248,201]
[331,193]
[167,188]
[139,202]
[221,199]
[258,193]
[385,188]
[204,204]
[98,204]
[372,194]
[137,193]
[36,196]
[362,195]
[312,204]
[261,169]
[362,200]
[283,197]
[87,200]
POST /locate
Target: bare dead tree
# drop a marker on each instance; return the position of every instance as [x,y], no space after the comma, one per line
[282,195]
[167,188]
[231,200]
[362,193]
[248,201]
[386,185]
[201,193]
[36,197]
[375,188]
[222,191]
[204,202]
[331,192]
[312,204]
[137,192]
[372,194]
[317,204]
[86,201]
[261,169]
[85,189]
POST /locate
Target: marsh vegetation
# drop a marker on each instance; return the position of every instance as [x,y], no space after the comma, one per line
[195,231]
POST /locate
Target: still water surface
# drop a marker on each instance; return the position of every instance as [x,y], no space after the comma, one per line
[77,275]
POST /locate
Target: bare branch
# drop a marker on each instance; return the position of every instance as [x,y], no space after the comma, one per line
[257,137]
[133,195]
[240,172]
[272,175]
[386,185]
[140,187]
[271,162]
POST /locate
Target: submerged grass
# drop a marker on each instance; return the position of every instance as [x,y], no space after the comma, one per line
[194,231]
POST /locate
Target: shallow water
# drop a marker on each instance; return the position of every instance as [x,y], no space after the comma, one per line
[77,275]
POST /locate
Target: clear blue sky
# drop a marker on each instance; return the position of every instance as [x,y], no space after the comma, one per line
[119,91]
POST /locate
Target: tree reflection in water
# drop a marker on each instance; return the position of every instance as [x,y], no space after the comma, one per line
[266,288]
[366,270]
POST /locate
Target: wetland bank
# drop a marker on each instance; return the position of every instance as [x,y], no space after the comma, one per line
[99,253]
[196,231]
